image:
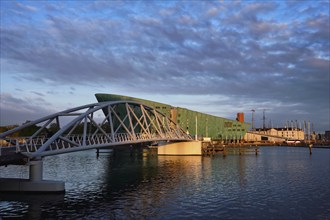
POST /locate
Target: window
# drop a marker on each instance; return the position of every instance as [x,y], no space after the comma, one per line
[228,124]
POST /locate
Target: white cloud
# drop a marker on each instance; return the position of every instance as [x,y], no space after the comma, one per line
[249,52]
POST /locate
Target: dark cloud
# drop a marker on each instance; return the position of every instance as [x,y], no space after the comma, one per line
[258,53]
[29,109]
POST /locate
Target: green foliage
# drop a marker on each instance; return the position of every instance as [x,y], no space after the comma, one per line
[53,128]
[28,131]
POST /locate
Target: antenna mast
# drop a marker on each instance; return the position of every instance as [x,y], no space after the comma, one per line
[253,119]
[264,119]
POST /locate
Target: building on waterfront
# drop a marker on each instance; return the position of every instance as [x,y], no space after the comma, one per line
[288,133]
[327,135]
[195,123]
[253,137]
[276,134]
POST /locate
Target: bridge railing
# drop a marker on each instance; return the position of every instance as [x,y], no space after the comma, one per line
[99,125]
[28,145]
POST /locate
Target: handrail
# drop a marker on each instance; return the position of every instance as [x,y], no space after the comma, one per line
[140,123]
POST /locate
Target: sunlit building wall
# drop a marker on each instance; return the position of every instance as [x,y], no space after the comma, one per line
[193,122]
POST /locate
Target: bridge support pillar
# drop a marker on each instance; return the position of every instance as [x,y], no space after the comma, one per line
[34,184]
[35,173]
[187,148]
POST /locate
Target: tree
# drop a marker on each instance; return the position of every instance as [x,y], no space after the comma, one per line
[53,128]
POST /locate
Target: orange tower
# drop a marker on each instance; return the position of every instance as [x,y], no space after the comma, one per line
[240,117]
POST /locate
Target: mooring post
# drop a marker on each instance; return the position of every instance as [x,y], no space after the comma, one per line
[35,170]
[97,153]
[310,148]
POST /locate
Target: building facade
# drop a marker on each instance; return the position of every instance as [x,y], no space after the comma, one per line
[327,135]
[276,134]
[193,122]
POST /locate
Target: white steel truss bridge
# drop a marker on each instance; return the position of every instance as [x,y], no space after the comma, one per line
[92,126]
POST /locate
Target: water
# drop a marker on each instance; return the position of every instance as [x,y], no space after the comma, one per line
[279,183]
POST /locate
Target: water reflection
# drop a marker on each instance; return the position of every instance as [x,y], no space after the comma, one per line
[278,183]
[29,205]
[141,186]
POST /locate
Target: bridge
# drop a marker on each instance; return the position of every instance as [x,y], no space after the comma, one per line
[92,126]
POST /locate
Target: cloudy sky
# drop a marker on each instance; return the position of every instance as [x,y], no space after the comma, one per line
[217,57]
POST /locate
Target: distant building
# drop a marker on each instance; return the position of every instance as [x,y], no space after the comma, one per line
[276,134]
[327,136]
[287,133]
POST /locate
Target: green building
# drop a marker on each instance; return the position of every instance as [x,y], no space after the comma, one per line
[217,128]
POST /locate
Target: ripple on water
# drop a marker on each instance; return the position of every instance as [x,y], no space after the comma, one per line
[279,183]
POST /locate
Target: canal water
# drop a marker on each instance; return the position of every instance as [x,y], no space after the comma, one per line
[278,183]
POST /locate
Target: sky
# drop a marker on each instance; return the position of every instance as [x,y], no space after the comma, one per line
[216,57]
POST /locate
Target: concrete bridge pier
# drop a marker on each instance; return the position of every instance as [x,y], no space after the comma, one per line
[186,148]
[36,169]
[35,183]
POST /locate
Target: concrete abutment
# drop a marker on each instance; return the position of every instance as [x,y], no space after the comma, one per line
[181,148]
[34,184]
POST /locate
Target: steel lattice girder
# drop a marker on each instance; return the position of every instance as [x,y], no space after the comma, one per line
[122,122]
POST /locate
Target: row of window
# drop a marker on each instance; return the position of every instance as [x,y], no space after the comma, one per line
[158,107]
[236,129]
[287,134]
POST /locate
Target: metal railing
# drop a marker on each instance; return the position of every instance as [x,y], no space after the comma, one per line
[28,145]
[128,123]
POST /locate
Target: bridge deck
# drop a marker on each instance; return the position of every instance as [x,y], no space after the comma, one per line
[118,123]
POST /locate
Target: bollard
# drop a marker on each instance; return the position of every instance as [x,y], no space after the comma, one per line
[310,148]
